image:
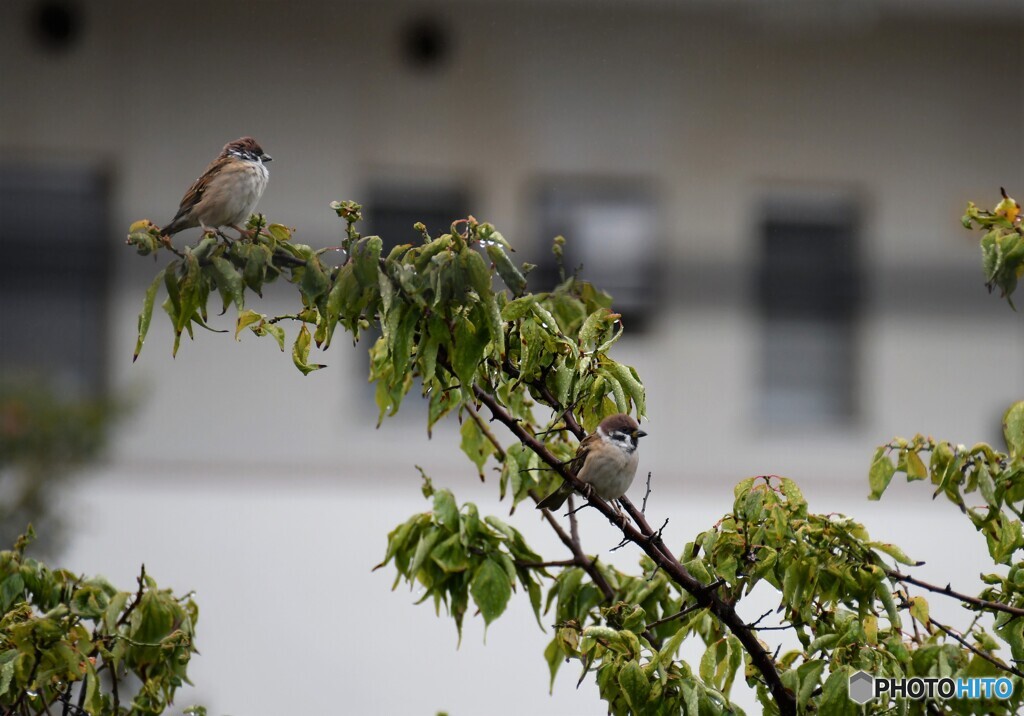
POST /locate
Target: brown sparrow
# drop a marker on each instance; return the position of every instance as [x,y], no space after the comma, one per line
[605,460]
[227,192]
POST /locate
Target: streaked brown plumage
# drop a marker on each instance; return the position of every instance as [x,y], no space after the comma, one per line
[226,193]
[605,460]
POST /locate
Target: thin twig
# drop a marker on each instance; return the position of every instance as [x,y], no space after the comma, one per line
[113,683]
[166,242]
[486,430]
[574,526]
[672,617]
[983,654]
[581,559]
[138,597]
[949,592]
[545,565]
[647,493]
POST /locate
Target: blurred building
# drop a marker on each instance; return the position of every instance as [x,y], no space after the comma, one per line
[772,191]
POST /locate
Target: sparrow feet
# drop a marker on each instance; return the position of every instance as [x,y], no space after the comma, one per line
[620,516]
[246,234]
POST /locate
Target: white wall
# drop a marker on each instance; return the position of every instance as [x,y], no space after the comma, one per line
[238,475]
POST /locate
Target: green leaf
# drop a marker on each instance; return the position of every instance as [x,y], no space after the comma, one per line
[366,255]
[314,281]
[919,610]
[279,232]
[987,486]
[916,469]
[895,552]
[518,308]
[617,393]
[635,686]
[495,326]
[475,444]
[720,661]
[510,275]
[1013,429]
[594,326]
[7,674]
[245,319]
[451,555]
[881,473]
[446,512]
[11,590]
[808,675]
[476,270]
[628,379]
[300,352]
[229,283]
[835,698]
[470,340]
[272,329]
[490,589]
[256,257]
[146,316]
[424,547]
[553,655]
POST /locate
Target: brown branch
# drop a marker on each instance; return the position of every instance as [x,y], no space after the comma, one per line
[654,546]
[579,558]
[138,597]
[551,400]
[673,617]
[545,565]
[983,654]
[574,523]
[949,592]
[486,430]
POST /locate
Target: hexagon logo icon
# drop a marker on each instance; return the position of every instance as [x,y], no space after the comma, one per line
[862,687]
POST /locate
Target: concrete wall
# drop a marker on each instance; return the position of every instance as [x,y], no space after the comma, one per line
[263,477]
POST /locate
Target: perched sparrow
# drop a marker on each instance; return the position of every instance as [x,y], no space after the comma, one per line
[605,460]
[227,192]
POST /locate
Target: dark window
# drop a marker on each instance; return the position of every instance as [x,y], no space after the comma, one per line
[55,240]
[808,295]
[612,238]
[392,210]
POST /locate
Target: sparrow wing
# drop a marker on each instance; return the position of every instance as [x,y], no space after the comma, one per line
[581,452]
[192,197]
[561,494]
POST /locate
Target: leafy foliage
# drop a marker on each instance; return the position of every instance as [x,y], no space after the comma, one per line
[1002,246]
[80,645]
[456,322]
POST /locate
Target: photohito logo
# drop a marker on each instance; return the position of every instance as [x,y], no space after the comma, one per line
[864,687]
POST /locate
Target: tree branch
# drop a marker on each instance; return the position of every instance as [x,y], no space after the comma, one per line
[138,597]
[949,592]
[486,430]
[654,546]
[673,617]
[579,558]
[983,654]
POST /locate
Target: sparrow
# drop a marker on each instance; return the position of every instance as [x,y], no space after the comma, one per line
[605,460]
[227,192]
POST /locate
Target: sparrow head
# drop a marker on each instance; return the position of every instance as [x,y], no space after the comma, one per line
[621,430]
[245,148]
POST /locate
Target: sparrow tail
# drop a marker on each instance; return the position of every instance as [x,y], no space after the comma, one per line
[557,498]
[172,228]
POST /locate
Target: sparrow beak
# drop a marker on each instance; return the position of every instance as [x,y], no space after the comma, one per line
[639,434]
[266,158]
